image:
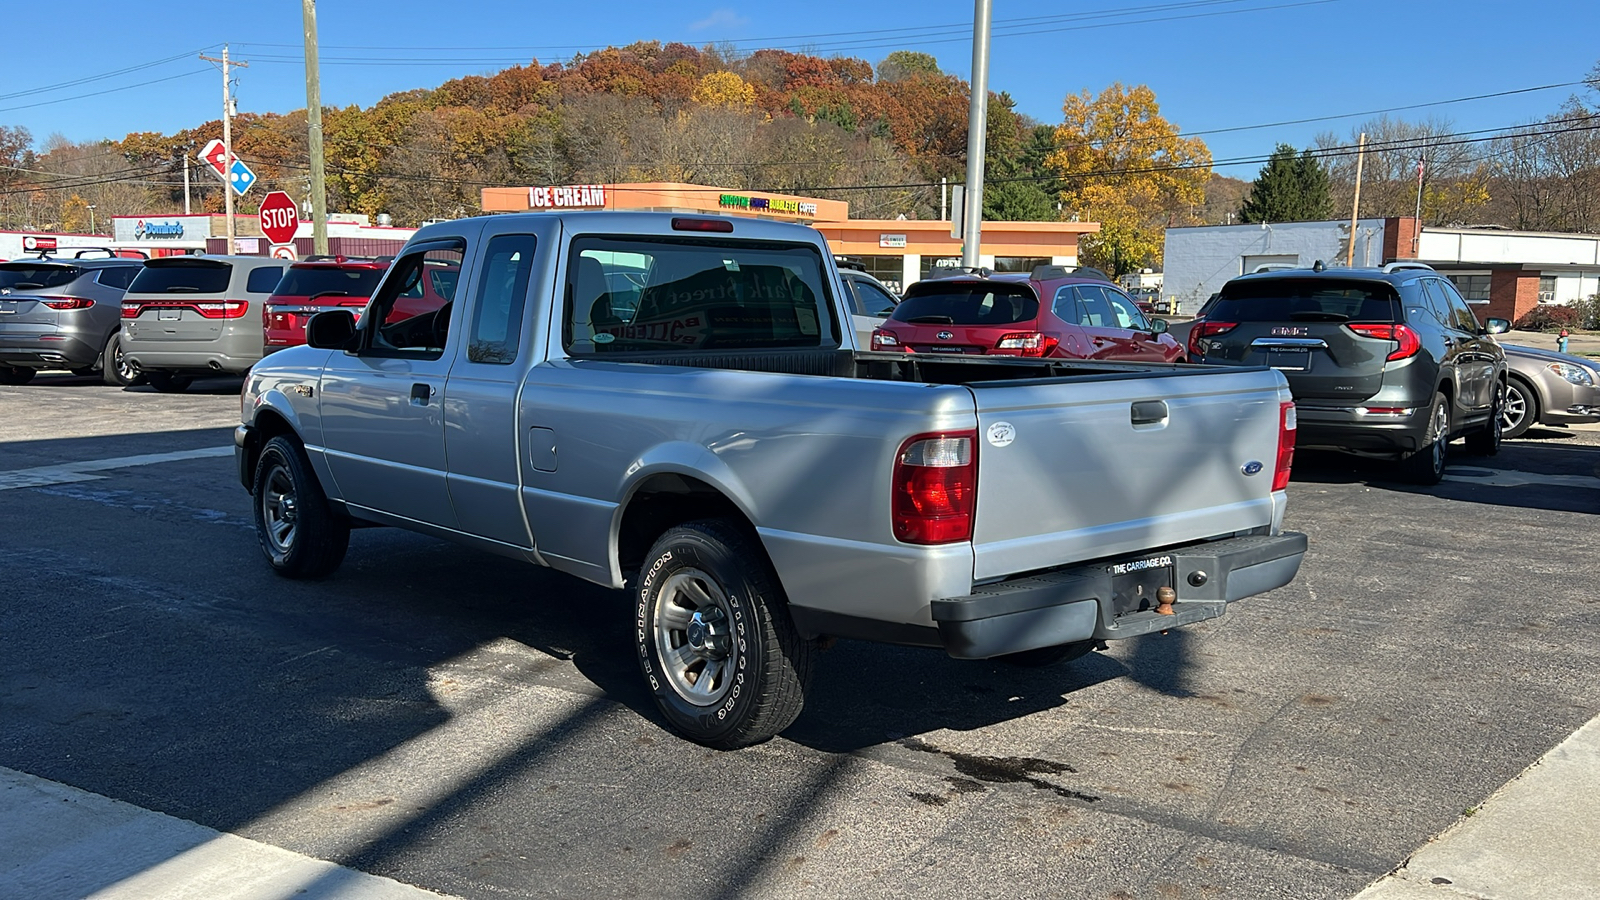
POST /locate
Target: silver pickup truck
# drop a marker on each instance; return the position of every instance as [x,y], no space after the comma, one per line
[676,405]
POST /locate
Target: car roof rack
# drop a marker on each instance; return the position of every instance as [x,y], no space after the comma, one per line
[1275,267]
[1042,273]
[849,262]
[1402,265]
[52,253]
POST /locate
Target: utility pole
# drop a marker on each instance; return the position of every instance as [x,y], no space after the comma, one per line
[186,181]
[1355,206]
[227,141]
[1416,232]
[977,132]
[319,187]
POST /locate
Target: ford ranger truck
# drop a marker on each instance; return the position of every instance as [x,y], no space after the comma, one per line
[675,405]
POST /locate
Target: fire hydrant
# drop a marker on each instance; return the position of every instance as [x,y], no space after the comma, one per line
[1561,341]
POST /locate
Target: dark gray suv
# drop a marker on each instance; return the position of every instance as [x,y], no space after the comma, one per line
[63,314]
[1386,362]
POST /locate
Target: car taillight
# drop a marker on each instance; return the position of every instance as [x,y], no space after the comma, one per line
[222,309]
[936,488]
[1031,343]
[885,340]
[131,310]
[1287,423]
[1406,340]
[1203,329]
[66,302]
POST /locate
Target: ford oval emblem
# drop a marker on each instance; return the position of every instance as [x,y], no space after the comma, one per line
[1253,467]
[946,335]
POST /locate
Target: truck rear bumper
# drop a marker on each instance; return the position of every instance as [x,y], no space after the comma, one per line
[1080,603]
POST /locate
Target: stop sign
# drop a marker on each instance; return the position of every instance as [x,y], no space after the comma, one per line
[279,218]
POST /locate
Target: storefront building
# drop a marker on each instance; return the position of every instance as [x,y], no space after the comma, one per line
[896,251]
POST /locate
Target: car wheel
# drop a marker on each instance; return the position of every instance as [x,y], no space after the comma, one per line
[1486,440]
[168,383]
[1426,465]
[298,529]
[1521,408]
[115,369]
[16,374]
[715,641]
[1048,656]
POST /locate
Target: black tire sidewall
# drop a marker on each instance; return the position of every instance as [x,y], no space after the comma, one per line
[110,373]
[321,536]
[688,547]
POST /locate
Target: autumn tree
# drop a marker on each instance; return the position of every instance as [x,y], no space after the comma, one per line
[1450,169]
[1290,188]
[724,89]
[904,65]
[1129,169]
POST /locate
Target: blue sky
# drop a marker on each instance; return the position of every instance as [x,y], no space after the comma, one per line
[1213,63]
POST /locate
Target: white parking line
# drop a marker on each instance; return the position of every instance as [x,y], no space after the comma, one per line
[66,473]
[1512,478]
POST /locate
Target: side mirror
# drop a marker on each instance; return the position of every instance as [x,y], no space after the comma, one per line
[1496,326]
[331,330]
[1159,326]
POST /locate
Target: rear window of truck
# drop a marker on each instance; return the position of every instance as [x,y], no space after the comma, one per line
[29,276]
[1305,300]
[970,303]
[207,278]
[660,294]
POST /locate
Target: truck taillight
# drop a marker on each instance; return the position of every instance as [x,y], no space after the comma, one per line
[1406,341]
[66,302]
[936,488]
[1286,428]
[885,340]
[1031,343]
[1203,329]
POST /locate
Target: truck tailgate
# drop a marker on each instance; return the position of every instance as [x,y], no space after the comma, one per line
[1079,470]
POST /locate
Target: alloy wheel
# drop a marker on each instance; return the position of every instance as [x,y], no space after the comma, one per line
[694,637]
[279,508]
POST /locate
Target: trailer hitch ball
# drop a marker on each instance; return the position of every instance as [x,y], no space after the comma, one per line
[1164,598]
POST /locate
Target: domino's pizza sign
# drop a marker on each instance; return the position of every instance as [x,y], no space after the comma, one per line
[170,229]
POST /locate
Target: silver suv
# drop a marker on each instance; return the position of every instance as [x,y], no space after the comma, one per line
[62,314]
[195,315]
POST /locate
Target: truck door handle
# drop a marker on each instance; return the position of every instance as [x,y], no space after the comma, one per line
[1148,412]
[420,394]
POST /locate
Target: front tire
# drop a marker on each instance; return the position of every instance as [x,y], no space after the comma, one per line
[299,531]
[1521,408]
[1426,465]
[715,641]
[168,383]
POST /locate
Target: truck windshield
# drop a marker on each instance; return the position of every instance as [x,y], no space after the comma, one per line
[971,303]
[642,294]
[30,276]
[1305,300]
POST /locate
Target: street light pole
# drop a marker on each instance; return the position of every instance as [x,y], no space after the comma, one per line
[977,132]
[91,219]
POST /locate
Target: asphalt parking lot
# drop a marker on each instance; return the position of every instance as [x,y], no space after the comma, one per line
[475,726]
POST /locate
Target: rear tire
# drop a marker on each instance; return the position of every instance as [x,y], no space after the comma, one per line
[715,641]
[1521,408]
[115,369]
[16,374]
[1486,440]
[168,383]
[1426,465]
[298,529]
[1048,656]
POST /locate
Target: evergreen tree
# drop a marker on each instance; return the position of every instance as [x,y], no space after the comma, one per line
[1290,188]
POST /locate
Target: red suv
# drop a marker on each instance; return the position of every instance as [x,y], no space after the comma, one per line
[315,285]
[1056,311]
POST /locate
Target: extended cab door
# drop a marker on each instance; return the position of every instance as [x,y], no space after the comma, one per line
[481,437]
[382,404]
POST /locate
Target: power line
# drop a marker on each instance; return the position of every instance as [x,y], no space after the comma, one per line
[106,91]
[100,77]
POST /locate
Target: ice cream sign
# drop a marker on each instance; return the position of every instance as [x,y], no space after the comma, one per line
[572,196]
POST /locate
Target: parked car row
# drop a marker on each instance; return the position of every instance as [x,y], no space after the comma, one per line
[167,320]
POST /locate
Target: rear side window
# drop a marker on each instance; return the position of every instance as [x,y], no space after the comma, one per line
[264,279]
[692,295]
[118,277]
[1306,300]
[26,276]
[191,278]
[328,280]
[968,303]
[502,294]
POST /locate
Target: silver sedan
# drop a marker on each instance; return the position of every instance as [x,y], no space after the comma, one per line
[1549,388]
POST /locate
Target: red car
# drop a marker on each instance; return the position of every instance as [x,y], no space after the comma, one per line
[1055,311]
[314,285]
